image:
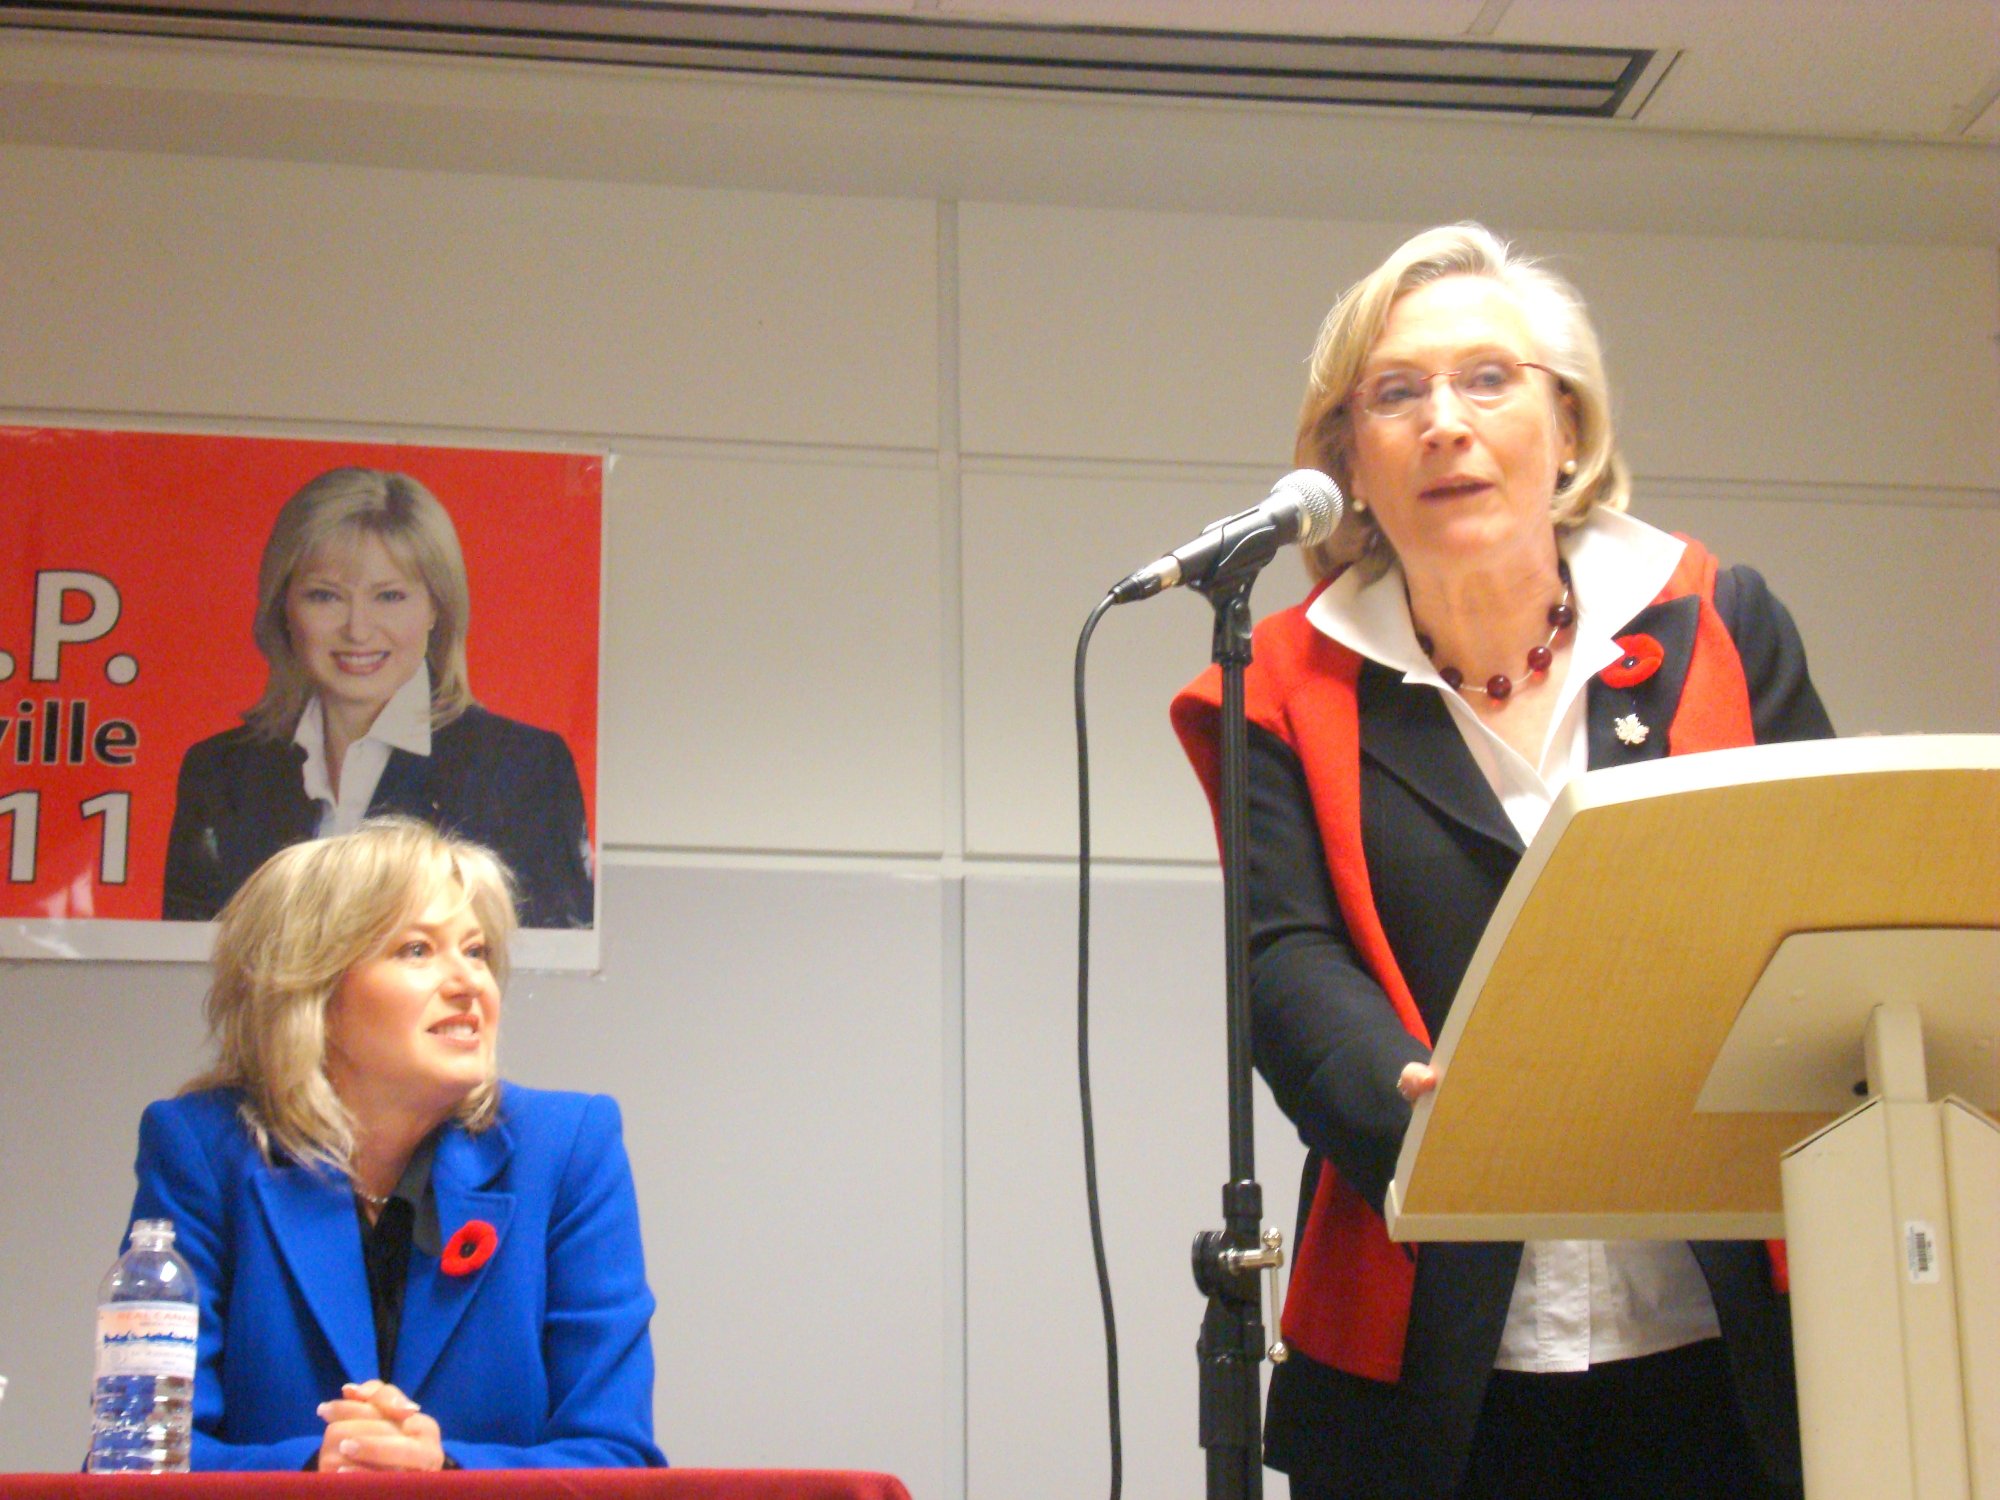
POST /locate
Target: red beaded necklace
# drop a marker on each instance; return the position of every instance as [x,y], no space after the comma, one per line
[1499,687]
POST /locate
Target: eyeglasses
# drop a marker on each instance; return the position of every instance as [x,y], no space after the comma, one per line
[1487,383]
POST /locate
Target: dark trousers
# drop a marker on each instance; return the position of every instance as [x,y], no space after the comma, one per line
[1661,1427]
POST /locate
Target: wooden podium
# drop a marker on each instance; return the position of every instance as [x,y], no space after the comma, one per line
[1756,994]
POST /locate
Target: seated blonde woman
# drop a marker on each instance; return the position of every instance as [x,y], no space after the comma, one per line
[404,1263]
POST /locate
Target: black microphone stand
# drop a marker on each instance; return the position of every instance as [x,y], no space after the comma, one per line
[1226,1261]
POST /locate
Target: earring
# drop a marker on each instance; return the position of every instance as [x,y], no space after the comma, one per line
[1569,468]
[1359,507]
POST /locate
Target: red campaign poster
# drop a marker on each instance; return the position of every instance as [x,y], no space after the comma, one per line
[134,796]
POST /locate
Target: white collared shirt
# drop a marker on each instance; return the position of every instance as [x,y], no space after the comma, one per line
[1576,1302]
[403,724]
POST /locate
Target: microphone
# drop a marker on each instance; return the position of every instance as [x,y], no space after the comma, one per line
[1303,507]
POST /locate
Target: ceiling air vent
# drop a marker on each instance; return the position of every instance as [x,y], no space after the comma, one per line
[1452,75]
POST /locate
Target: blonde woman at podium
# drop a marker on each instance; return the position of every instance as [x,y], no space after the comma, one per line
[1487,623]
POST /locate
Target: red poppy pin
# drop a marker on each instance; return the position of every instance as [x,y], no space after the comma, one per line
[470,1247]
[1640,657]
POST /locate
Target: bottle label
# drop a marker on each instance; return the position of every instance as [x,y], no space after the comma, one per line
[146,1338]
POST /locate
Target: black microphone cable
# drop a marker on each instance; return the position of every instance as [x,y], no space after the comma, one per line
[1083,1043]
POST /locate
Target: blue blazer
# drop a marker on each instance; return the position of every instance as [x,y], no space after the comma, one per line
[539,1358]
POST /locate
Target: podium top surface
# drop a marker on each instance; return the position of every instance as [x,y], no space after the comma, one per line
[1621,953]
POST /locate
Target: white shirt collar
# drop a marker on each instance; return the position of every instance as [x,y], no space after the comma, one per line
[403,724]
[1617,564]
[405,720]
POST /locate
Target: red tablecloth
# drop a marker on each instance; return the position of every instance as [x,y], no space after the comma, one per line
[503,1484]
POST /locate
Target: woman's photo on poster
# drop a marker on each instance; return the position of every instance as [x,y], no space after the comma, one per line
[362,615]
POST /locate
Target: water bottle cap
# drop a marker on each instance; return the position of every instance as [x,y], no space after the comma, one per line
[155,1234]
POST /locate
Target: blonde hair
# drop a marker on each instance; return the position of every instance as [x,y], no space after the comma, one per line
[342,508]
[286,940]
[1564,341]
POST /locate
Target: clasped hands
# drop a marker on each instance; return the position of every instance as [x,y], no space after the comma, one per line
[374,1427]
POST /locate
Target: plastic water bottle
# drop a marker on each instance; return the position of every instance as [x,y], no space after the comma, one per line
[142,1411]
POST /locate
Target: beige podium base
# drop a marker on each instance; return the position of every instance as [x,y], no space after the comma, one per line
[1892,1218]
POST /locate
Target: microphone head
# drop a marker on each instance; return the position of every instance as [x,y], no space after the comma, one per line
[1319,501]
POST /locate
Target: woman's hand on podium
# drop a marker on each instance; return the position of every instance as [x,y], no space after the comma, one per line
[1416,1080]
[374,1426]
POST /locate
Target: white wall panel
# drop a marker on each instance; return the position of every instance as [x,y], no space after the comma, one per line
[1791,363]
[1897,604]
[1127,335]
[1109,334]
[1040,551]
[83,1049]
[282,290]
[775,1039]
[773,675]
[1034,1342]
